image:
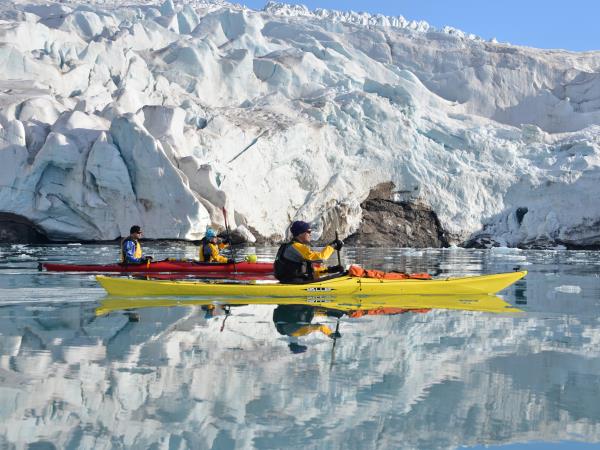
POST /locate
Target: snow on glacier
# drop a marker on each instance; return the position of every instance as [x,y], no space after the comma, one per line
[163,114]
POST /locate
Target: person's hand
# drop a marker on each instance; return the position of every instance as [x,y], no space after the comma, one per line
[226,240]
[335,269]
[337,244]
[230,261]
[335,335]
[148,258]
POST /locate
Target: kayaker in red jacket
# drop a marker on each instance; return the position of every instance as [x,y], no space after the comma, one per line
[131,249]
[210,248]
[295,261]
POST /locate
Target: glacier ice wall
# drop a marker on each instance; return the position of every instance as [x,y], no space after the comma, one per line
[163,114]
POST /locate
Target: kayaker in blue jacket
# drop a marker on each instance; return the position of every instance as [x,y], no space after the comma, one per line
[295,261]
[131,249]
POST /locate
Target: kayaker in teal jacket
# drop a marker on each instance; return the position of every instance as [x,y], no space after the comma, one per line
[210,248]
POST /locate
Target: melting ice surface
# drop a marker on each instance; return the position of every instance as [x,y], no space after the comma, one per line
[75,373]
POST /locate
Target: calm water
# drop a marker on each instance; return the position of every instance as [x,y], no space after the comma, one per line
[75,373]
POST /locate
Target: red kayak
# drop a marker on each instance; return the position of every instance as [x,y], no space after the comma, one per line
[164,266]
[221,276]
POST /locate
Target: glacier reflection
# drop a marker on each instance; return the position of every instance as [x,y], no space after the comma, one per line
[437,378]
[90,372]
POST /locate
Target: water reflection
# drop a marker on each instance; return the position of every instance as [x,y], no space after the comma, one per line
[170,366]
[293,317]
[81,370]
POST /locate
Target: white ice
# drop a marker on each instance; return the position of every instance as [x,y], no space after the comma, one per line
[163,114]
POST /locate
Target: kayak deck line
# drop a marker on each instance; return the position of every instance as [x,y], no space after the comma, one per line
[341,285]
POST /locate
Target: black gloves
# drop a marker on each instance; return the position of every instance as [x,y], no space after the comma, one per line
[230,261]
[226,240]
[335,269]
[337,244]
[148,258]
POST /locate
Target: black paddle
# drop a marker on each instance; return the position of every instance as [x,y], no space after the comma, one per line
[338,252]
[336,335]
[229,236]
[227,314]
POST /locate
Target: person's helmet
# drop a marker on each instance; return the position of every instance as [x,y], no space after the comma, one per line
[299,227]
[210,233]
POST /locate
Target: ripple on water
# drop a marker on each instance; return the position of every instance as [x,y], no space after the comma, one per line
[49,294]
[568,289]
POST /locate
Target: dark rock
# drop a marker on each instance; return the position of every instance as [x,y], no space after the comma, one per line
[385,223]
[399,224]
[552,244]
[583,237]
[481,241]
[520,213]
[234,236]
[15,229]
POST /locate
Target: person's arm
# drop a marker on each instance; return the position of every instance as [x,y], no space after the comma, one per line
[311,255]
[215,256]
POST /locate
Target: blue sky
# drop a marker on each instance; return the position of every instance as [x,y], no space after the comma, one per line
[567,24]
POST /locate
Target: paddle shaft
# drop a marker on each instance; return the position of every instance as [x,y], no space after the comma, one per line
[338,252]
[229,235]
[335,334]
[223,324]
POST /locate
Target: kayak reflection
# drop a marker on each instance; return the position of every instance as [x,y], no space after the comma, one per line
[300,317]
[356,305]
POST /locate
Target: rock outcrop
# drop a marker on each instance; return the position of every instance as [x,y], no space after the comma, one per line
[15,229]
[386,222]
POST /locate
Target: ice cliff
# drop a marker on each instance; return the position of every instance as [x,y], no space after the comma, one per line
[163,114]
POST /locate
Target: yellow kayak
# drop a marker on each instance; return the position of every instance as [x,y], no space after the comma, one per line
[344,285]
[480,302]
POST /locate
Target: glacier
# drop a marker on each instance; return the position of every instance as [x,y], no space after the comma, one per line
[163,114]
